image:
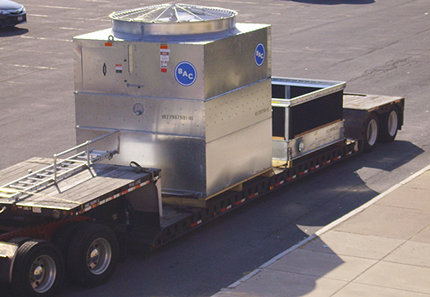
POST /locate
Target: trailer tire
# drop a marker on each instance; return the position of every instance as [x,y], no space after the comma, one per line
[371,132]
[19,240]
[38,269]
[92,255]
[63,237]
[389,125]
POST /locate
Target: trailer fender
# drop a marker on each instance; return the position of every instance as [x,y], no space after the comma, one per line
[7,257]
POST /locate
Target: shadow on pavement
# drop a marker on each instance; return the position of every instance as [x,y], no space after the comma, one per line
[12,31]
[346,189]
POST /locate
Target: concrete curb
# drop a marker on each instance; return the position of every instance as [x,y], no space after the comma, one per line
[325,229]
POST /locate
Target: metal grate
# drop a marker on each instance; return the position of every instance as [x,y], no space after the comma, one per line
[169,19]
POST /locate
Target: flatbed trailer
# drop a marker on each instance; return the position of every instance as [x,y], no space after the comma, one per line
[82,222]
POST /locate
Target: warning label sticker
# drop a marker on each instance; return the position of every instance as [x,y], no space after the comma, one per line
[164,57]
[118,68]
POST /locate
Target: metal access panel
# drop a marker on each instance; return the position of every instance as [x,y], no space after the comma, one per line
[308,142]
[172,67]
[236,157]
[182,117]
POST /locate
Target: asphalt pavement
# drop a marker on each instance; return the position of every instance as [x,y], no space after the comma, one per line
[376,46]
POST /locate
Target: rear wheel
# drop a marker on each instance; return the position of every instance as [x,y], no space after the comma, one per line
[38,269]
[389,125]
[63,237]
[371,132]
[92,255]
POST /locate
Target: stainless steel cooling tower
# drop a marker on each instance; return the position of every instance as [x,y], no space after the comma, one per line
[189,89]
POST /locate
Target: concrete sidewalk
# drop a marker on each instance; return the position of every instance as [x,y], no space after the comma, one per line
[379,249]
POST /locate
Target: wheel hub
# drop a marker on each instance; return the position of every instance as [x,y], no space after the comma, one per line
[94,258]
[38,272]
[372,132]
[392,123]
[42,274]
[99,256]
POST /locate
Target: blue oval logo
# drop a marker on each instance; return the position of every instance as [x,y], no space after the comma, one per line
[260,54]
[185,73]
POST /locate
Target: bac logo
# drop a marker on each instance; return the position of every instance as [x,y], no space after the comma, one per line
[185,73]
[260,54]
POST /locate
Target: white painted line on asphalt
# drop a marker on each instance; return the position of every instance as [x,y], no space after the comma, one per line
[57,7]
[38,15]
